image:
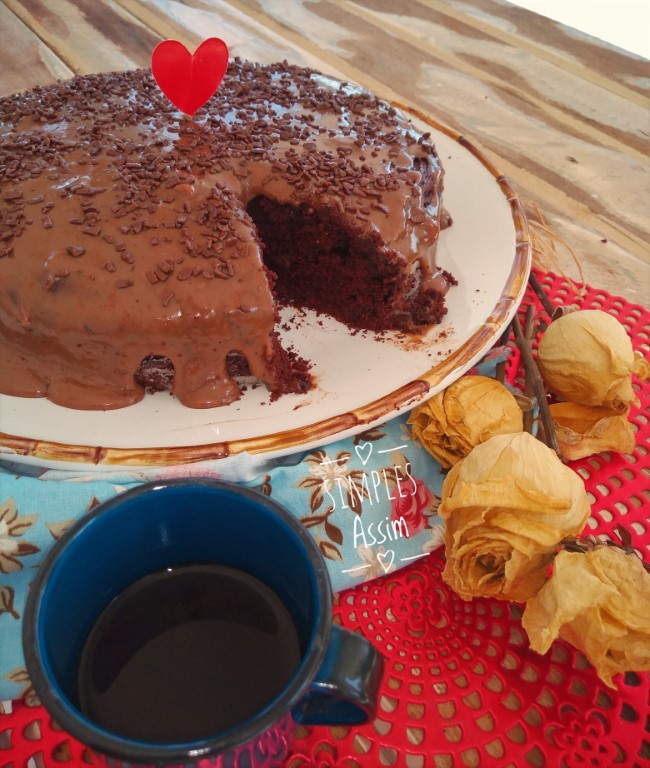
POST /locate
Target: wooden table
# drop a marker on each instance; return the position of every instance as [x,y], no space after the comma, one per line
[565,116]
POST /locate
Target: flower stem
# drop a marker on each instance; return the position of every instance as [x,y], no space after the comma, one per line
[537,385]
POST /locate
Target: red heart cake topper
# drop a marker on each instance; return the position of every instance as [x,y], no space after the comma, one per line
[189,80]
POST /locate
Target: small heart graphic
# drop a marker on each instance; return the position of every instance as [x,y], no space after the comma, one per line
[189,80]
[363,452]
[386,559]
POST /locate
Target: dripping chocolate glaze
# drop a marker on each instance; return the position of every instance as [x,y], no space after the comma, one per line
[124,231]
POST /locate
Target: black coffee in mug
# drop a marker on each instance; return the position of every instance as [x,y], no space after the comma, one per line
[187,652]
[210,652]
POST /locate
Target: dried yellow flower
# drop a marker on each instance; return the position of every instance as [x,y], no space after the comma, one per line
[587,357]
[599,602]
[506,508]
[470,411]
[583,430]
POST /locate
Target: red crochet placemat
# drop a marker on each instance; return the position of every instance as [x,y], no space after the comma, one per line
[462,689]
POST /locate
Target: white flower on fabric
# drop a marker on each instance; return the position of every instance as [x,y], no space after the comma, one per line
[436,540]
[13,526]
[380,561]
[331,473]
[407,435]
[8,545]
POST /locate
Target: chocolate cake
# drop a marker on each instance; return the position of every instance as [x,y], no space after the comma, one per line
[142,249]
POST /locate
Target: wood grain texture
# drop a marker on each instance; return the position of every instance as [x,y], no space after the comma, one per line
[88,35]
[192,21]
[594,60]
[37,62]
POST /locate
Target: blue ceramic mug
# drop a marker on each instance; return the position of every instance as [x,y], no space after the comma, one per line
[125,623]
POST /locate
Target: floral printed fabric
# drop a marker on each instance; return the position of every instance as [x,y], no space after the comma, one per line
[369,501]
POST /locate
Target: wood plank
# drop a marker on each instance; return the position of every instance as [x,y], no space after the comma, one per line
[590,58]
[192,21]
[36,62]
[89,36]
[578,106]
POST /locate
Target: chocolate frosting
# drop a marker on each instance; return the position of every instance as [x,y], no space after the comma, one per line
[124,231]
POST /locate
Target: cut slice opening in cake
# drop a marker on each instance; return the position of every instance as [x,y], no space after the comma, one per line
[316,261]
[321,264]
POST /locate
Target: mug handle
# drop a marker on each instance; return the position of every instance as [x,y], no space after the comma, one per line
[346,686]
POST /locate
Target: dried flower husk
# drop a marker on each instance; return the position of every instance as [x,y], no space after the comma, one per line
[506,507]
[468,412]
[599,602]
[583,430]
[587,357]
